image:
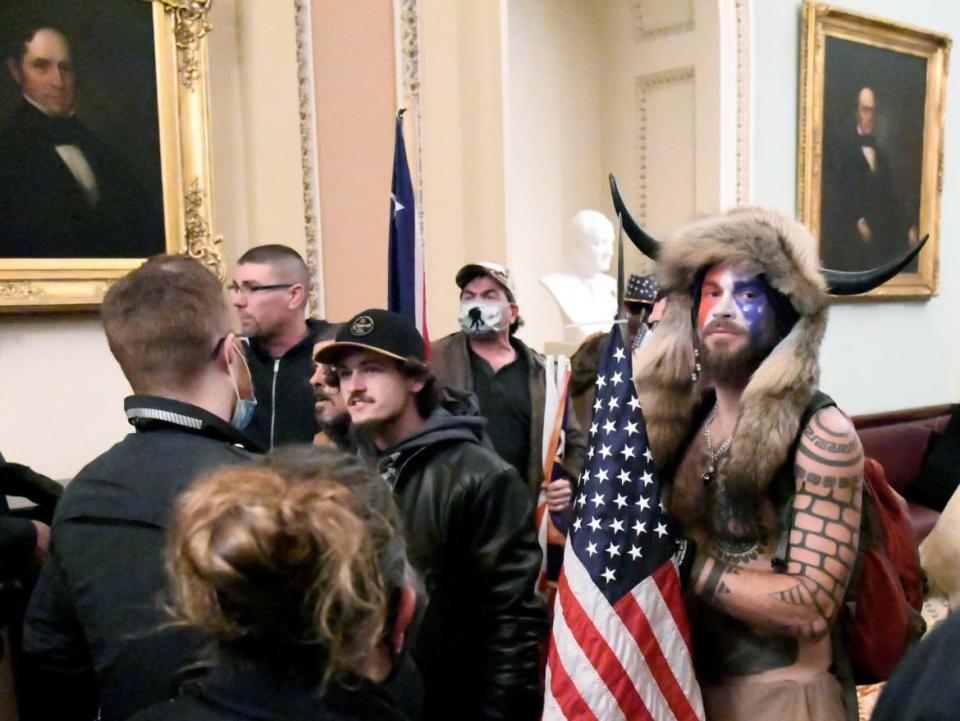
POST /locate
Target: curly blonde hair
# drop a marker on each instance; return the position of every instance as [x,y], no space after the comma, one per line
[296,558]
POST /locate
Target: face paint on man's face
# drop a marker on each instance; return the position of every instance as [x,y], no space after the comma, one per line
[750,296]
[736,299]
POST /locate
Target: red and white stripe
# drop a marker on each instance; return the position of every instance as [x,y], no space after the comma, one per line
[630,660]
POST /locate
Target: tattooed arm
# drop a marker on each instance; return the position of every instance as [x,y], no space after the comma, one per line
[824,534]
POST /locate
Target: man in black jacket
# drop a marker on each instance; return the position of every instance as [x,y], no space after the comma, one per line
[95,621]
[270,287]
[468,518]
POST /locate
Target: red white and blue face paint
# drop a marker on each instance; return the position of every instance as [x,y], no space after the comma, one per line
[733,303]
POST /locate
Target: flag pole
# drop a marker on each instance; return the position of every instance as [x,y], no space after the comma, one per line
[621,314]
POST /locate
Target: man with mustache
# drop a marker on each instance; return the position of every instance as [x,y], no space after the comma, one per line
[765,472]
[333,419]
[468,519]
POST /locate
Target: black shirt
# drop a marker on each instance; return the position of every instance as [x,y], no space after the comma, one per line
[98,602]
[505,400]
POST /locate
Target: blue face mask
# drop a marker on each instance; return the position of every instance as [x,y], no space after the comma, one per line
[243,413]
[245,407]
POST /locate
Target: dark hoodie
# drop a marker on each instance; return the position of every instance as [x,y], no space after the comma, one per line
[470,534]
[285,409]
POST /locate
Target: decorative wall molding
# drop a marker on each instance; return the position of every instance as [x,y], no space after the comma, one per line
[308,158]
[200,242]
[645,84]
[190,26]
[21,289]
[643,30]
[409,47]
[744,192]
[407,13]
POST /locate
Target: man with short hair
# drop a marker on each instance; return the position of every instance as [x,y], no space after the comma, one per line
[507,376]
[765,471]
[270,289]
[468,519]
[63,192]
[98,603]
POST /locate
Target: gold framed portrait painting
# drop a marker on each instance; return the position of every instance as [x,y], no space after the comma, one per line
[104,145]
[873,96]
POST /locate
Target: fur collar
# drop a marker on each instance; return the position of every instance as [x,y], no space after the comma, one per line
[784,383]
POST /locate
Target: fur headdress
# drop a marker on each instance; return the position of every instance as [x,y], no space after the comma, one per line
[781,387]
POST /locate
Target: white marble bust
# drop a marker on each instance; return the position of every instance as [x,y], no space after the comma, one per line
[586,295]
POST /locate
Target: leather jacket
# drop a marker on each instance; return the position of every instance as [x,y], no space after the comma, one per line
[470,535]
[450,361]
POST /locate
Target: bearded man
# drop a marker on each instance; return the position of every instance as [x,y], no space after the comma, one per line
[764,472]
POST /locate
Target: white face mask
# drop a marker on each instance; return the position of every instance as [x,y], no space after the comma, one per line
[483,317]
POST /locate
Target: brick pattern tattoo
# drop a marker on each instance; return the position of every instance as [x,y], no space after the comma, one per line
[826,522]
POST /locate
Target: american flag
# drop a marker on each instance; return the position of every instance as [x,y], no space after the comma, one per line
[620,647]
[406,284]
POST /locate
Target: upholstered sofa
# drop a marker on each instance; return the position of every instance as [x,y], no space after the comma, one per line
[899,440]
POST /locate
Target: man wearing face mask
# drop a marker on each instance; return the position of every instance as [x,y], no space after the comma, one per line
[507,376]
[95,629]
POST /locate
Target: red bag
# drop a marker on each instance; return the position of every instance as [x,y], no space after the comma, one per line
[881,618]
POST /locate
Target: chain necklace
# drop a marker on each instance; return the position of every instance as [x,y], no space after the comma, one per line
[713,455]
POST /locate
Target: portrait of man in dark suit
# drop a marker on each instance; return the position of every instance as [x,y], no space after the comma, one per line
[873,145]
[65,191]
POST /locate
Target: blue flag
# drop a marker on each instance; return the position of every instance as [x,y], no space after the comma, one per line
[404,282]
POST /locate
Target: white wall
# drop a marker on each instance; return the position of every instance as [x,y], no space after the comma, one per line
[876,356]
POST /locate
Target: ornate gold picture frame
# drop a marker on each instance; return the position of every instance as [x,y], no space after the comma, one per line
[178,56]
[873,98]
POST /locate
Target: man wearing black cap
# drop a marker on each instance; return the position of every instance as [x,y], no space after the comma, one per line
[640,297]
[468,519]
[507,376]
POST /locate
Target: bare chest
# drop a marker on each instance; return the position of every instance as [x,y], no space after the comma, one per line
[691,500]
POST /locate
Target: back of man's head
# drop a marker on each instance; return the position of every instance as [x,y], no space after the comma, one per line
[284,259]
[162,322]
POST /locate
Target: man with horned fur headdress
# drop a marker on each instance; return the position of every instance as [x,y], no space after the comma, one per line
[766,473]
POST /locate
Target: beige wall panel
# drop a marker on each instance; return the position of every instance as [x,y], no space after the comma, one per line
[269,102]
[462,135]
[62,392]
[228,140]
[666,150]
[553,156]
[356,102]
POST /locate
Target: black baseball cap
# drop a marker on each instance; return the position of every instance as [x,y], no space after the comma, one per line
[377,330]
